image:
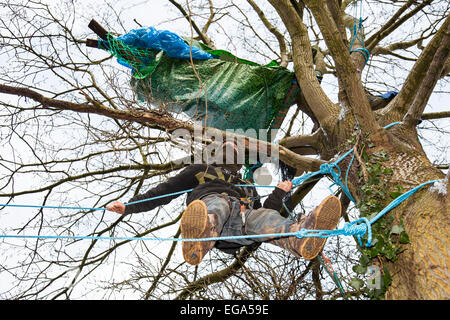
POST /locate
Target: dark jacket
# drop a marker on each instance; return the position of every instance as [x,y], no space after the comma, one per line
[203,179]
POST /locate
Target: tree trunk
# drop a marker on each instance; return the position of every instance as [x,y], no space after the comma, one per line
[421,271]
[420,267]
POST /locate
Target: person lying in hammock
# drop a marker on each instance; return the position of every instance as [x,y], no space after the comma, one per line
[216,207]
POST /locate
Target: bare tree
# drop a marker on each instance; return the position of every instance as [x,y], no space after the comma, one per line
[74,134]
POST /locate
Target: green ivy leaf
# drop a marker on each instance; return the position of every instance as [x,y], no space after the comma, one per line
[404,238]
[395,194]
[359,269]
[380,243]
[356,283]
[387,280]
[391,253]
[382,155]
[373,252]
[364,260]
[365,156]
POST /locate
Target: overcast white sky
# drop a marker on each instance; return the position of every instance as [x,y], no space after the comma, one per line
[157,13]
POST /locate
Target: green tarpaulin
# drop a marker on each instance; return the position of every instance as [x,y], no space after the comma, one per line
[226,91]
[229,95]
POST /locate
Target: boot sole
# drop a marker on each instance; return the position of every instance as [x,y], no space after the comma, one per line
[326,218]
[193,224]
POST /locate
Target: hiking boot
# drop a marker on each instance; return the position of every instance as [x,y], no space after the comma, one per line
[324,217]
[196,224]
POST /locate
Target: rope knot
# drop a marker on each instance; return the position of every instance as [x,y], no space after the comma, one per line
[359,230]
[302,233]
[333,170]
[329,168]
[326,168]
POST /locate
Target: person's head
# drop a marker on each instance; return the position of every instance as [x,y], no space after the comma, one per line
[228,157]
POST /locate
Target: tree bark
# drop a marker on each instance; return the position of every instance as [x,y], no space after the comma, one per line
[421,271]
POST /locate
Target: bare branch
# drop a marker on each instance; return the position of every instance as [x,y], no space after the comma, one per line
[395,21]
[218,276]
[420,73]
[324,110]
[429,82]
[274,31]
[200,33]
[162,122]
[346,70]
[435,115]
[149,117]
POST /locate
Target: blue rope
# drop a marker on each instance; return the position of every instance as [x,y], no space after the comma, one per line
[399,200]
[126,204]
[356,228]
[348,170]
[91,209]
[48,207]
[357,33]
[349,230]
[334,171]
[392,124]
